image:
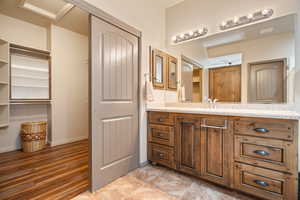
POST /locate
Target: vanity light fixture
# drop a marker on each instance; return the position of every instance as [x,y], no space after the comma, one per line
[191,35]
[252,17]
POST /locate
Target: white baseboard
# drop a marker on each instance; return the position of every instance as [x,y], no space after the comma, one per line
[9,148]
[67,140]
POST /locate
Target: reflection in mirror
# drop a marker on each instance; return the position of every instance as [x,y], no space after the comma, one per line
[172,78]
[251,64]
[191,76]
[158,69]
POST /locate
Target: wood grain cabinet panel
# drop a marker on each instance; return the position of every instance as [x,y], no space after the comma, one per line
[272,154]
[161,134]
[269,128]
[161,118]
[265,183]
[188,145]
[161,154]
[215,150]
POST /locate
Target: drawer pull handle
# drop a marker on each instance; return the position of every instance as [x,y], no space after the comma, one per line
[261,152]
[262,183]
[160,120]
[161,155]
[160,134]
[204,125]
[261,130]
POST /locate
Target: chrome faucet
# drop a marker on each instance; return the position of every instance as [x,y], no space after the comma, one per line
[212,102]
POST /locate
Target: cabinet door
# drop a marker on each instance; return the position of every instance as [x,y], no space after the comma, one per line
[216,146]
[225,83]
[187,148]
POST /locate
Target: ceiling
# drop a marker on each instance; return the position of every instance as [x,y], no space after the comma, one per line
[170,3]
[46,12]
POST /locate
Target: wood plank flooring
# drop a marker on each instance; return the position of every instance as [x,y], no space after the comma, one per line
[59,172]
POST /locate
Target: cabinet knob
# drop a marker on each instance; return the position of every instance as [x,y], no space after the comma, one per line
[262,183]
[261,152]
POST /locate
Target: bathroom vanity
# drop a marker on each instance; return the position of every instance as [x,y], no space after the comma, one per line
[255,155]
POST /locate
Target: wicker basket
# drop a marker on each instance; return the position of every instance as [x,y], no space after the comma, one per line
[33,136]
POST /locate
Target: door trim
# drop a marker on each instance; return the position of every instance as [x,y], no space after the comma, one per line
[105,16]
[285,68]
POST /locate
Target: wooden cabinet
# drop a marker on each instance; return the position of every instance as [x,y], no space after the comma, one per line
[188,145]
[225,84]
[273,154]
[267,82]
[265,183]
[254,155]
[164,70]
[216,147]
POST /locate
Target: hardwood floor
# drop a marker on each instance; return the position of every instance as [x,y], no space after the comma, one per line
[59,172]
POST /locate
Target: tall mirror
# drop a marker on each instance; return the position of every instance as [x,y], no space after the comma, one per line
[251,64]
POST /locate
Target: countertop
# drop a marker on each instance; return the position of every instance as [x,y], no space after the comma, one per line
[278,114]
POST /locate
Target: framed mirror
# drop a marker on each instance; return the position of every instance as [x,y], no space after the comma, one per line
[158,69]
[248,64]
[172,73]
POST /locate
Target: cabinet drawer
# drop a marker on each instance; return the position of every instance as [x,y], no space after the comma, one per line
[269,128]
[273,154]
[264,183]
[161,134]
[161,118]
[161,154]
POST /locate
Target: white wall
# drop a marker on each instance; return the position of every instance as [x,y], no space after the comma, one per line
[148,17]
[69,52]
[23,33]
[262,49]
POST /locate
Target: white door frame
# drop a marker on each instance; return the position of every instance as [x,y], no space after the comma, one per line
[92,10]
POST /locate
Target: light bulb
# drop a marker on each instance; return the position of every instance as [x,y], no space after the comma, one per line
[174,38]
[235,20]
[224,23]
[200,31]
[191,33]
[265,11]
[182,36]
[250,16]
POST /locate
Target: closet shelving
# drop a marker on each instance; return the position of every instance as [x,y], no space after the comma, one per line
[4,84]
[30,77]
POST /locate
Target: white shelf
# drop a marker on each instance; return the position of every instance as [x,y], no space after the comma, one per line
[30,86]
[29,68]
[3,83]
[4,125]
[3,61]
[2,42]
[30,77]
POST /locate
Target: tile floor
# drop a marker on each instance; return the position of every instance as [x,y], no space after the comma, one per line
[158,183]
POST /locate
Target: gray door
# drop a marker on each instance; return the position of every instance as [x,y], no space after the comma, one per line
[267,82]
[115,139]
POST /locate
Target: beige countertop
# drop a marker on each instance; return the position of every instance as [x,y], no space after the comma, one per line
[243,112]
